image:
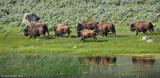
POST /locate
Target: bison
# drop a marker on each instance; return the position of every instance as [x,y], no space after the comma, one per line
[104,28]
[86,25]
[142,26]
[87,33]
[61,29]
[36,29]
[89,24]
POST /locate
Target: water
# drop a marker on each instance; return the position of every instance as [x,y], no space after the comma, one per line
[122,66]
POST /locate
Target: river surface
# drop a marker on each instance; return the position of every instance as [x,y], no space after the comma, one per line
[123,66]
[65,66]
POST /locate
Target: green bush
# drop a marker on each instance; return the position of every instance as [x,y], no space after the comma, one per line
[70,12]
[17,23]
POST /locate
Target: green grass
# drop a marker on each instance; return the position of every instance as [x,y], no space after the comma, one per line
[39,65]
[13,40]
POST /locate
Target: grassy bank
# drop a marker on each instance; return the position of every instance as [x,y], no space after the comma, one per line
[13,40]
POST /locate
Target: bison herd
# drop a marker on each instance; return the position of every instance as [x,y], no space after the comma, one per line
[86,29]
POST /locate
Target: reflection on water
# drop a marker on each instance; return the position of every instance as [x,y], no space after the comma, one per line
[123,66]
[141,61]
[81,67]
[100,60]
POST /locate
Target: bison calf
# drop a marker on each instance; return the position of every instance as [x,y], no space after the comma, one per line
[36,29]
[104,28]
[86,33]
[142,26]
[61,29]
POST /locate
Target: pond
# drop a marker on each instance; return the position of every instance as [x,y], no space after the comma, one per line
[119,66]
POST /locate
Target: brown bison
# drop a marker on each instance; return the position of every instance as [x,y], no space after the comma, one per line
[104,28]
[36,29]
[142,26]
[89,24]
[61,29]
[87,33]
[86,25]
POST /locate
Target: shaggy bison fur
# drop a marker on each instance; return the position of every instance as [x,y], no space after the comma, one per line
[62,29]
[87,33]
[86,24]
[104,28]
[142,26]
[36,29]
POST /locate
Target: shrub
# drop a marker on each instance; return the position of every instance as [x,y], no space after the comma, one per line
[17,23]
[157,8]
[70,12]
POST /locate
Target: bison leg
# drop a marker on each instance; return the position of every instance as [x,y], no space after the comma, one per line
[83,39]
[34,36]
[60,34]
[154,32]
[48,33]
[102,33]
[144,32]
[113,33]
[94,38]
[106,33]
[150,31]
[69,35]
[136,32]
[30,36]
[44,36]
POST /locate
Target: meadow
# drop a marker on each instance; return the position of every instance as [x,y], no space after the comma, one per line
[13,40]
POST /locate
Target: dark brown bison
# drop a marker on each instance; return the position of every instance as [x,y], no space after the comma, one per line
[36,29]
[142,26]
[62,29]
[89,24]
[86,25]
[87,33]
[104,28]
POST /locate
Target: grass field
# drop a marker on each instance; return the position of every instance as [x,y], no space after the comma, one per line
[13,40]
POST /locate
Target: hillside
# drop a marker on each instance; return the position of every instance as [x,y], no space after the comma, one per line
[70,12]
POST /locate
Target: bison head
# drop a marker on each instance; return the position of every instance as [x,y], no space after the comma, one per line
[26,31]
[79,34]
[132,28]
[79,28]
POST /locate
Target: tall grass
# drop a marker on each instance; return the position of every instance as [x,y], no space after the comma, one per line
[40,65]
